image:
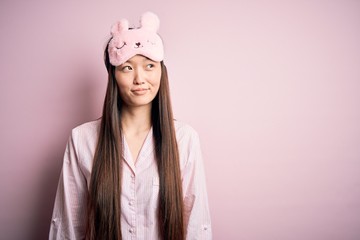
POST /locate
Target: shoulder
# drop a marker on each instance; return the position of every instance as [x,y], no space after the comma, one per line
[84,138]
[186,135]
[188,144]
[86,132]
[184,130]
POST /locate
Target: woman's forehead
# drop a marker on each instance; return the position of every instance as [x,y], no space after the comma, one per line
[138,59]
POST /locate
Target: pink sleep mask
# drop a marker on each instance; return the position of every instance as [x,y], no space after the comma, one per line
[126,43]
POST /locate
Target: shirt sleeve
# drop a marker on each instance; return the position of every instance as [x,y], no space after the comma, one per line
[196,207]
[69,213]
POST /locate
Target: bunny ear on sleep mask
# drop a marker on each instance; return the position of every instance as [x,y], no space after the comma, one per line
[126,43]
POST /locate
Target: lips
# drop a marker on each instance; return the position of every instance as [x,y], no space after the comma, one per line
[140,91]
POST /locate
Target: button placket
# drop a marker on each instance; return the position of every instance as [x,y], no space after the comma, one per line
[132,205]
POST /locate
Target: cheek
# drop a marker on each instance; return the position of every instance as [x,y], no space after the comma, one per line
[155,78]
[123,88]
[122,82]
[122,92]
[121,85]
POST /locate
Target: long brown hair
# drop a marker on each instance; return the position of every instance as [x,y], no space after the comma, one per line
[104,205]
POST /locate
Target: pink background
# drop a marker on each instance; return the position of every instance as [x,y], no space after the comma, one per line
[273,88]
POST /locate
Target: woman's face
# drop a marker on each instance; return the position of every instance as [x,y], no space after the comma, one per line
[138,80]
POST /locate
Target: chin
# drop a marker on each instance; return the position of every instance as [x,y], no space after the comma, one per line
[140,103]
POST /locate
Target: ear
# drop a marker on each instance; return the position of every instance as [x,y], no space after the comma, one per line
[150,21]
[118,27]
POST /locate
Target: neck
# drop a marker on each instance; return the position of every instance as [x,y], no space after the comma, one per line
[136,119]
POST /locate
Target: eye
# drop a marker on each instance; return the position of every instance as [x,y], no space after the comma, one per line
[150,66]
[126,69]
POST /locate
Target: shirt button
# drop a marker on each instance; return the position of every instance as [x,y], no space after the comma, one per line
[131,203]
[131,230]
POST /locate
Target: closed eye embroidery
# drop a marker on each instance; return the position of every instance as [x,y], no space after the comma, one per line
[121,46]
[152,43]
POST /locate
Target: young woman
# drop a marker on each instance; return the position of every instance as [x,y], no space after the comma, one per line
[135,173]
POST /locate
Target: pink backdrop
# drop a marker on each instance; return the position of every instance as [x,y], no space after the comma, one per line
[272,87]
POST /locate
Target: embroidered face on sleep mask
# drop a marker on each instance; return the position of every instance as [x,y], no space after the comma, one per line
[126,43]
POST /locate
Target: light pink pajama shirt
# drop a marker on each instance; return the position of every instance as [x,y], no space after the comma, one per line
[140,187]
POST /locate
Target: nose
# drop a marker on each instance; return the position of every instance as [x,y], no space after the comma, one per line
[139,77]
